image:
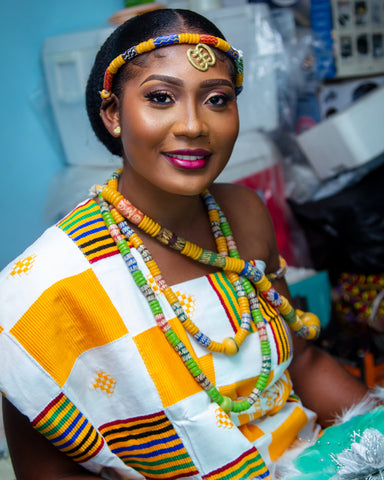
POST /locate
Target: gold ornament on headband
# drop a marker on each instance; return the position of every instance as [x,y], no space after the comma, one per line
[201,57]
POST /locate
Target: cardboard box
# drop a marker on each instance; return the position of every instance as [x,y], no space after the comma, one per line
[346,140]
[337,96]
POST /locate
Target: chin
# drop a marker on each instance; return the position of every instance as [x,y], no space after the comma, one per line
[193,190]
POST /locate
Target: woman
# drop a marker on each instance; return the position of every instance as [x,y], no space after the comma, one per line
[132,354]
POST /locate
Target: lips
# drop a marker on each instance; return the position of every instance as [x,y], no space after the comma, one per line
[188,159]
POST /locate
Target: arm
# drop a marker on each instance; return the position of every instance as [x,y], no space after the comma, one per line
[33,457]
[321,382]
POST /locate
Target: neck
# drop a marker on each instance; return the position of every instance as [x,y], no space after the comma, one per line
[175,211]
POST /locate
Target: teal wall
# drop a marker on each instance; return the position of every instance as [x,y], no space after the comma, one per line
[30,149]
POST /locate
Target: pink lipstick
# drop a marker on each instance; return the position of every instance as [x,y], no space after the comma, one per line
[188,159]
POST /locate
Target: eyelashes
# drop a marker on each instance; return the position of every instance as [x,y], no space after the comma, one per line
[220,100]
[160,97]
[165,98]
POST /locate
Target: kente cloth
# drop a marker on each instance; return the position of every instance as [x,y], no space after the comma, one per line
[82,357]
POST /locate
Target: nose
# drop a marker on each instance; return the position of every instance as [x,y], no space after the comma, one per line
[191,122]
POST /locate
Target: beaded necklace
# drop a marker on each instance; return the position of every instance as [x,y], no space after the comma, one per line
[115,210]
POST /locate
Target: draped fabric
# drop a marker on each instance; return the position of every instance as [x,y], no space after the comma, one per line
[83,359]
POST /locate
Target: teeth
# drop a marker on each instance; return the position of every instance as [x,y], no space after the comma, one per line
[187,157]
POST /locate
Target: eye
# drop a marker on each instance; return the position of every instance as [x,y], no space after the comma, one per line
[159,97]
[219,100]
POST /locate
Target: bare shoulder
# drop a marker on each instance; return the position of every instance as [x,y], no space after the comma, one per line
[250,222]
[235,196]
[240,203]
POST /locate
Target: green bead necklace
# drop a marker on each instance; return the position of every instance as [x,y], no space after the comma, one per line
[116,210]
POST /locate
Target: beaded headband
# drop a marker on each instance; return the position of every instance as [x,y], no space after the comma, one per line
[197,57]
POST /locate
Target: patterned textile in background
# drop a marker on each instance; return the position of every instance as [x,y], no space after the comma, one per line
[360,300]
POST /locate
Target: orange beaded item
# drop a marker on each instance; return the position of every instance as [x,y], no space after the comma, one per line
[243,275]
[191,250]
[232,263]
[145,47]
[174,39]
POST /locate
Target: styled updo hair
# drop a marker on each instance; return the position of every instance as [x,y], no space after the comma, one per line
[135,30]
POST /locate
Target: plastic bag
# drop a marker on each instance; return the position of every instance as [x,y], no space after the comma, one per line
[269,183]
[345,231]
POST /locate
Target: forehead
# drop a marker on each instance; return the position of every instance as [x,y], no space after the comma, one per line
[183,60]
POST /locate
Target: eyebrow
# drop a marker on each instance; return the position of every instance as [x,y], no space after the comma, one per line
[163,78]
[212,82]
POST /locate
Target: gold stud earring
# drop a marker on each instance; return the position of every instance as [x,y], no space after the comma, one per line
[117,131]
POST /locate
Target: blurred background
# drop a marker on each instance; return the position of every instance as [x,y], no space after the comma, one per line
[32,152]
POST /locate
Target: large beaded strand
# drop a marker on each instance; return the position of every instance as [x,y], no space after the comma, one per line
[307,325]
[216,214]
[118,235]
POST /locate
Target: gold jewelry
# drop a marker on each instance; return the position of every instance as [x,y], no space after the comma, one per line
[201,57]
[177,39]
[117,131]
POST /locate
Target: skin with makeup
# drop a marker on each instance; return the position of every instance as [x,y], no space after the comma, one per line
[175,126]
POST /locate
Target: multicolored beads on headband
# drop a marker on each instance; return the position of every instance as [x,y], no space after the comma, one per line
[182,38]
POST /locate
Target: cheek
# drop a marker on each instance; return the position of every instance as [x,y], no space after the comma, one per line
[229,131]
[139,129]
[233,129]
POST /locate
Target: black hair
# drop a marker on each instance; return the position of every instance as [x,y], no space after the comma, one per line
[134,31]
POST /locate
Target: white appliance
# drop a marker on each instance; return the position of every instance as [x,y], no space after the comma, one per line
[68,60]
[348,139]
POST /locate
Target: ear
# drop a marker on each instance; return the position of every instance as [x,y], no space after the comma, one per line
[109,113]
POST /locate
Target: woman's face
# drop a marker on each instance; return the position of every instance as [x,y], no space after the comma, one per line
[178,124]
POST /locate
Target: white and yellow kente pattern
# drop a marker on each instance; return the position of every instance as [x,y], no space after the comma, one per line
[82,357]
